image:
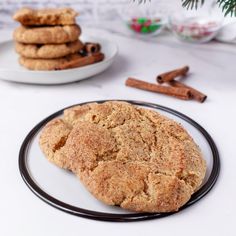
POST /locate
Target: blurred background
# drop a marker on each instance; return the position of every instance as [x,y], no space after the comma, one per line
[116,15]
[90,10]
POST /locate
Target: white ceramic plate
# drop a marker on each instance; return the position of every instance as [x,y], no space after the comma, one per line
[12,71]
[64,191]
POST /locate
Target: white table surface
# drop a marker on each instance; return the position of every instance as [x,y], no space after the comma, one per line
[22,106]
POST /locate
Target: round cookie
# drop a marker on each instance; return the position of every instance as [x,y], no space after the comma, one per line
[48,51]
[47,34]
[47,64]
[126,155]
[47,16]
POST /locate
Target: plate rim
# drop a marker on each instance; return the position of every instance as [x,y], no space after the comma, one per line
[102,216]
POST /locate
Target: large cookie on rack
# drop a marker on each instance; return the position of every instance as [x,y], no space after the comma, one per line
[48,51]
[48,16]
[126,155]
[47,34]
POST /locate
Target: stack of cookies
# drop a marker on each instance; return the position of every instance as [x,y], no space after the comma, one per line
[48,39]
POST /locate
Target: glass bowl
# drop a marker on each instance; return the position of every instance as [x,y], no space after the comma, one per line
[145,25]
[143,20]
[194,29]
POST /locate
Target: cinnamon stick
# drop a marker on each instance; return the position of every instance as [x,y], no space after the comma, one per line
[171,75]
[92,47]
[82,61]
[197,95]
[181,93]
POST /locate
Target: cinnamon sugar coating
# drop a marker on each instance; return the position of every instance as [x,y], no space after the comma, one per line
[126,155]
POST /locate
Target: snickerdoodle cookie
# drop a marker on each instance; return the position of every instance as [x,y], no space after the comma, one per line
[47,34]
[47,64]
[46,51]
[126,155]
[55,16]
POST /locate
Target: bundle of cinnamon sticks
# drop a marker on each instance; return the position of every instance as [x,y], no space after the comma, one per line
[174,87]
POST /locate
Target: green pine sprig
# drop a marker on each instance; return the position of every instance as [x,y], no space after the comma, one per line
[228,6]
[191,4]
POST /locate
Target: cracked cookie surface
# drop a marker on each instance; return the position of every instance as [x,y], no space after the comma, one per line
[47,64]
[48,16]
[126,155]
[48,51]
[47,34]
